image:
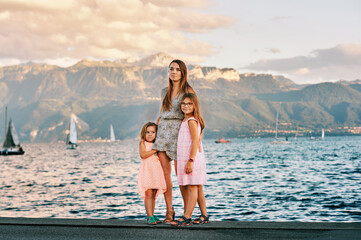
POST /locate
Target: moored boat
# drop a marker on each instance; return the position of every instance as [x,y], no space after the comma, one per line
[277,140]
[71,140]
[222,140]
[11,144]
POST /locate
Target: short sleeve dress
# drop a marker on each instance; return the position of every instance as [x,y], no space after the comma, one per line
[168,127]
[199,172]
[151,174]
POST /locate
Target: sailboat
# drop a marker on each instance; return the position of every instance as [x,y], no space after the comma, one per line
[316,138]
[11,144]
[112,136]
[296,134]
[323,134]
[279,141]
[71,141]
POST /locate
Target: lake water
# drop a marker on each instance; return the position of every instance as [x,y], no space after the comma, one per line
[248,180]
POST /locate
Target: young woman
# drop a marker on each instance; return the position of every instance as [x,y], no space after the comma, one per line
[169,121]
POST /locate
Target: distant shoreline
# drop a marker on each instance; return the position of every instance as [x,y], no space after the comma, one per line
[270,136]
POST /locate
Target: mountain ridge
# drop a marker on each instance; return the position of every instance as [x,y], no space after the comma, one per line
[125,93]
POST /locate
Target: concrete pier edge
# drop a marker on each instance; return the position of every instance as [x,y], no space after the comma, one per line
[213,225]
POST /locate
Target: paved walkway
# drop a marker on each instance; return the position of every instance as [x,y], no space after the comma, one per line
[56,228]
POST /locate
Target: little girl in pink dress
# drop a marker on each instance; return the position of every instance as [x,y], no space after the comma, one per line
[191,163]
[151,180]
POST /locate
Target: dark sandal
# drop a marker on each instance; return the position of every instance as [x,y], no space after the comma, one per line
[199,220]
[185,222]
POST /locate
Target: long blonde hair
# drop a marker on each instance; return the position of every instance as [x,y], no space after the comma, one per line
[144,129]
[196,108]
[184,85]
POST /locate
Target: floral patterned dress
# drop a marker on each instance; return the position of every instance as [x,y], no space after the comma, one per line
[168,127]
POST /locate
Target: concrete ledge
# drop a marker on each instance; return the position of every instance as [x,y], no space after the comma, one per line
[221,225]
[99,229]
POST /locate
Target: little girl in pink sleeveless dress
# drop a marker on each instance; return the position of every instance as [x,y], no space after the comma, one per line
[151,180]
[191,163]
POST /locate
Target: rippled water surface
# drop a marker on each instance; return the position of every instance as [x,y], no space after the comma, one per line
[248,180]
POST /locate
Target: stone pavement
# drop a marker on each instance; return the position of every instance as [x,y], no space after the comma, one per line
[57,228]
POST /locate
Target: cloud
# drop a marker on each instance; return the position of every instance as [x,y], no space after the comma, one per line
[40,29]
[179,3]
[274,50]
[280,18]
[340,62]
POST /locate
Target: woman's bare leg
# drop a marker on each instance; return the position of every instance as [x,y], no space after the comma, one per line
[167,169]
[175,167]
[184,192]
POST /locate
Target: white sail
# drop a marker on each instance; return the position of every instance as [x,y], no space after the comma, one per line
[323,134]
[112,136]
[73,134]
[15,135]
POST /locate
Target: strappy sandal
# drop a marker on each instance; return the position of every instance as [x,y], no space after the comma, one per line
[157,219]
[151,220]
[199,220]
[185,222]
[169,216]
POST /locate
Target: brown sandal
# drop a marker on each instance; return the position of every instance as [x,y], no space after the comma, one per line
[169,216]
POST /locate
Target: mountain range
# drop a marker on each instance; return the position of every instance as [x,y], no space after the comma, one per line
[126,93]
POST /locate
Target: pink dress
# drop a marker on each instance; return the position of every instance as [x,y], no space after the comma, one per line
[198,175]
[151,174]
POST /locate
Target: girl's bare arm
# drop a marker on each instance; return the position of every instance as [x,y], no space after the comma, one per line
[143,153]
[193,128]
[200,142]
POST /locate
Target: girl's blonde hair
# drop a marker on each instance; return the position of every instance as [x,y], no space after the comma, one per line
[196,108]
[184,85]
[144,129]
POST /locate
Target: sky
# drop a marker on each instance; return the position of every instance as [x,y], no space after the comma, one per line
[308,41]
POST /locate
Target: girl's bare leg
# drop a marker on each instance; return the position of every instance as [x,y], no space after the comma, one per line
[154,193]
[167,169]
[148,202]
[192,200]
[202,201]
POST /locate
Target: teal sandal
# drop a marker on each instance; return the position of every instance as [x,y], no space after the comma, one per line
[157,219]
[151,220]
[199,220]
[185,222]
